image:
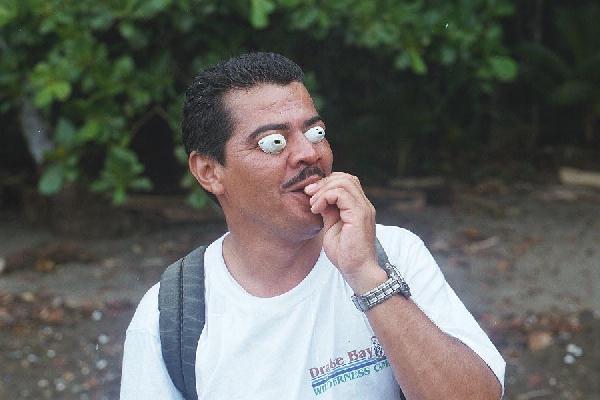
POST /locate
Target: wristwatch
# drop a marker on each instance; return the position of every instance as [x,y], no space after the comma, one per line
[394,284]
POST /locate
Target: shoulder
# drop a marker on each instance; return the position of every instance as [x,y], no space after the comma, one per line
[410,255]
[399,243]
[145,319]
[390,232]
[143,373]
[434,296]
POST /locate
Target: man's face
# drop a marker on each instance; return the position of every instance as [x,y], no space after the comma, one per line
[262,191]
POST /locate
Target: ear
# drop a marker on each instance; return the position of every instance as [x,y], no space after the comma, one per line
[207,172]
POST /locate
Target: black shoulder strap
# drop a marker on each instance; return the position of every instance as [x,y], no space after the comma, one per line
[382,258]
[181,320]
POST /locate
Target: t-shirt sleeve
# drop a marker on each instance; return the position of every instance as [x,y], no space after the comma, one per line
[144,374]
[435,297]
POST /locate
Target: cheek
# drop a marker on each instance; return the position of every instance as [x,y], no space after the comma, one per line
[326,153]
[264,171]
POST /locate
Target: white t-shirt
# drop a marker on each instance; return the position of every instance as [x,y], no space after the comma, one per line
[308,343]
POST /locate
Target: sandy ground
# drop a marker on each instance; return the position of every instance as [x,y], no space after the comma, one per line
[525,260]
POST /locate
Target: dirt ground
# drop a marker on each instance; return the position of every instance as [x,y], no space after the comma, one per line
[525,259]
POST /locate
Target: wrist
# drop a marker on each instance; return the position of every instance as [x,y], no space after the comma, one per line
[366,278]
[395,284]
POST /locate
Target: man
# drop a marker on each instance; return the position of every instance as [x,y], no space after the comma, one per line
[280,322]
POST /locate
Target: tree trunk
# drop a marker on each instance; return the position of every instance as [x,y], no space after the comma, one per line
[588,126]
[35,131]
[535,107]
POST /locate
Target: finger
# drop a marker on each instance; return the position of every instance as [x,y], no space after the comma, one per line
[347,201]
[338,197]
[339,179]
[335,176]
[336,182]
[349,210]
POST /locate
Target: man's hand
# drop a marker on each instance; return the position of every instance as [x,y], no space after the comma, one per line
[404,331]
[349,225]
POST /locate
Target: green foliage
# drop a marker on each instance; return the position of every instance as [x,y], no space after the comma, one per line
[259,13]
[99,70]
[566,74]
[121,172]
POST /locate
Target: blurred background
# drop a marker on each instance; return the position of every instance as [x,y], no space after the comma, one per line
[474,123]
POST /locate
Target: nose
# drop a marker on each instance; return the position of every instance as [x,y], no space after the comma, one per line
[302,152]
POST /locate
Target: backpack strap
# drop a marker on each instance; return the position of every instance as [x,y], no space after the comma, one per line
[382,258]
[181,320]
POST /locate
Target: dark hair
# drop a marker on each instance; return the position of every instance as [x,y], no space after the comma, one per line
[206,124]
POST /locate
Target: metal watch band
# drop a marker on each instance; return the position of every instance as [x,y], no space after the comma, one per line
[394,284]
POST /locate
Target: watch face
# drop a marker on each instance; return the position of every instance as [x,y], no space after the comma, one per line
[404,289]
[393,271]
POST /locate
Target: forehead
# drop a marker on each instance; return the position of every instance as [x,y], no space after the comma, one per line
[268,104]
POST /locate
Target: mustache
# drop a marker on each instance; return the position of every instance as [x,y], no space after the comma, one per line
[305,173]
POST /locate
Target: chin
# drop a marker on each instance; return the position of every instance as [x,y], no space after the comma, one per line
[307,227]
[315,226]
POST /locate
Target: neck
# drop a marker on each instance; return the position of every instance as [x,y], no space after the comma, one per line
[269,266]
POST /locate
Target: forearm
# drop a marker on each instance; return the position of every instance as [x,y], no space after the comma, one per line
[427,363]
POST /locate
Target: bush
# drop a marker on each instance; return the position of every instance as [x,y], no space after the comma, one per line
[94,72]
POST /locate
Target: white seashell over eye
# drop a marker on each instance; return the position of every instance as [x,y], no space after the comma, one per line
[315,134]
[273,143]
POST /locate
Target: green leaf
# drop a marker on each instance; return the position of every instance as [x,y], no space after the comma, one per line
[141,184]
[101,20]
[61,90]
[290,3]
[197,198]
[504,68]
[119,196]
[572,92]
[185,23]
[259,13]
[134,36]
[121,173]
[123,67]
[8,11]
[65,132]
[180,154]
[100,186]
[503,9]
[541,58]
[416,62]
[402,61]
[58,90]
[305,19]
[89,132]
[43,98]
[149,8]
[47,25]
[448,55]
[52,179]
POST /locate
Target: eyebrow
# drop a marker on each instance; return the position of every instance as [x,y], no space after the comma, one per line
[312,120]
[280,127]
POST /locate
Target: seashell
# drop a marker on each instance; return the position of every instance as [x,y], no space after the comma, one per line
[273,143]
[315,134]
